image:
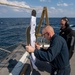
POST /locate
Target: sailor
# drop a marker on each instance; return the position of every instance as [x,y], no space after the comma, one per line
[67,33]
[56,54]
[32,36]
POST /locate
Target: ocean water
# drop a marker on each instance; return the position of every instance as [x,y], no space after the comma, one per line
[13,30]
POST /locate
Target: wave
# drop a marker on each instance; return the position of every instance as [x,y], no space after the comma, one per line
[73,28]
[72,25]
[56,27]
[16,27]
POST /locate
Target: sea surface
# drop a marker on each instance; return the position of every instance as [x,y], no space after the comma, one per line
[13,30]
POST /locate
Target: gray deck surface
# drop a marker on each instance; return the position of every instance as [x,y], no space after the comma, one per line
[11,60]
[43,67]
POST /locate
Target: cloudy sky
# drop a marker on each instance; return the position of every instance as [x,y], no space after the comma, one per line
[56,8]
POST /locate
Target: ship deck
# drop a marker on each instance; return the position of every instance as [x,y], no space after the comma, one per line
[43,67]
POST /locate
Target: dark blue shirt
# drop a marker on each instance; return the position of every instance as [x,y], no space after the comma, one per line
[57,54]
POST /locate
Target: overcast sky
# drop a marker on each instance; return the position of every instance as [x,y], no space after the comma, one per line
[56,8]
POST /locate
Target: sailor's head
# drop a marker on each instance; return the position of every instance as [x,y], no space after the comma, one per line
[48,32]
[64,22]
[33,13]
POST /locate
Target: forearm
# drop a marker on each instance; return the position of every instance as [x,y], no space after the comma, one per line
[41,55]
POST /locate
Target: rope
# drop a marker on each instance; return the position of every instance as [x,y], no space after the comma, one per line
[20,6]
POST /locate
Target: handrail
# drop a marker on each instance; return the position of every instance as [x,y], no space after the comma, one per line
[5,50]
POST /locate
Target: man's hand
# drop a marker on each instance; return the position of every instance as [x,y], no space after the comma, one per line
[37,45]
[30,49]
